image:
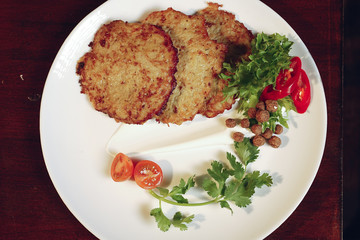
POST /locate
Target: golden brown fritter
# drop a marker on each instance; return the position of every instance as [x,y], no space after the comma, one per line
[224,28]
[216,105]
[200,61]
[129,72]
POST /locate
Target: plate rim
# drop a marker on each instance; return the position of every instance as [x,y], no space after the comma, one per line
[66,201]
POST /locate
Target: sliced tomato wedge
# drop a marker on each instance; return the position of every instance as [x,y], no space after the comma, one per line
[272,94]
[121,168]
[147,174]
[302,93]
[287,78]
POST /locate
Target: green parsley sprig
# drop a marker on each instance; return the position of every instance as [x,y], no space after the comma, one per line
[224,185]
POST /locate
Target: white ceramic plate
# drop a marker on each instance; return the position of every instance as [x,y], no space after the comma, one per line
[74,137]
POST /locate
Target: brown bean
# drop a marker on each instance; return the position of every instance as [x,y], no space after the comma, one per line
[271,105]
[262,116]
[230,122]
[252,112]
[238,136]
[258,140]
[267,133]
[274,141]
[245,123]
[256,129]
[260,105]
[278,129]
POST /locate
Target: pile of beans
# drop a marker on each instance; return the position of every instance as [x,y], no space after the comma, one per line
[262,114]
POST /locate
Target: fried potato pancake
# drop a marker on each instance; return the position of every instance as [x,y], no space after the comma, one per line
[129,72]
[224,28]
[200,61]
[217,104]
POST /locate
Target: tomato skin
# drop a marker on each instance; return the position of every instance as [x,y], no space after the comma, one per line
[148,174]
[269,93]
[302,93]
[287,79]
[122,168]
[286,82]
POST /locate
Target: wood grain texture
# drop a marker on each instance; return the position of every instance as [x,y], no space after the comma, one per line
[319,24]
[32,33]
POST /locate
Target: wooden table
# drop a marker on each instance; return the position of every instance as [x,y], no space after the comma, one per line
[32,33]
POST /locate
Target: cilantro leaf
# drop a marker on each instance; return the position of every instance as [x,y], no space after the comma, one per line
[179,221]
[249,183]
[246,151]
[254,180]
[219,174]
[224,184]
[210,187]
[225,204]
[179,198]
[165,223]
[264,179]
[177,191]
[239,170]
[162,221]
[183,186]
[237,193]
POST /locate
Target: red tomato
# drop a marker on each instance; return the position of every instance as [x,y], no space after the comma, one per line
[287,79]
[272,94]
[121,168]
[302,94]
[148,174]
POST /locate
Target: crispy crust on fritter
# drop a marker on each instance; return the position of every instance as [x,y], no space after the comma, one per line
[200,61]
[217,104]
[224,28]
[129,72]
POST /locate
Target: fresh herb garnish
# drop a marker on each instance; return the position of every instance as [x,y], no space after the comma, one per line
[285,105]
[224,185]
[270,54]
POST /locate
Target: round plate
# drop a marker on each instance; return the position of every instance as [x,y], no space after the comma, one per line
[75,139]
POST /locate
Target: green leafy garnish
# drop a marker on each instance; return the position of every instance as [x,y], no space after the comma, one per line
[246,151]
[164,223]
[285,105]
[270,54]
[224,185]
[233,184]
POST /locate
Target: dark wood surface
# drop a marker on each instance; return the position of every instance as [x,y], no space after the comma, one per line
[351,111]
[31,34]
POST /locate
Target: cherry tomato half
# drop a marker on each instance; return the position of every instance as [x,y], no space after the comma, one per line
[302,94]
[287,78]
[148,174]
[121,168]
